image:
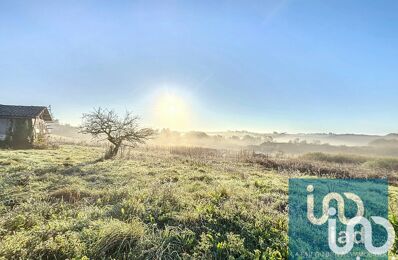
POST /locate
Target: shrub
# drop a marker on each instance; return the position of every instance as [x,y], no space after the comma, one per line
[389,164]
[335,158]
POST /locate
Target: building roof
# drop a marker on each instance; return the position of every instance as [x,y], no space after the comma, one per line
[7,111]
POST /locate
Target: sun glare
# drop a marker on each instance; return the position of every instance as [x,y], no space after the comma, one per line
[171,111]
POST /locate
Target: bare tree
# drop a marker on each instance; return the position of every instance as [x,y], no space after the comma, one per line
[119,131]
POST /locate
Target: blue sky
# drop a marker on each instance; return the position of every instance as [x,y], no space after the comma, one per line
[296,66]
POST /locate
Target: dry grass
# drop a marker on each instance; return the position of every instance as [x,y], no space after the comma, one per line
[154,202]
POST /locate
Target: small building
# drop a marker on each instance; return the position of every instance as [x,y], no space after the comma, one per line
[23,126]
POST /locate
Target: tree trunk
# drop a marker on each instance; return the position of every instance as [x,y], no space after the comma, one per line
[113,150]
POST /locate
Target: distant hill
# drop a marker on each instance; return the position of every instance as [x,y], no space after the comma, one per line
[323,138]
[392,135]
[229,139]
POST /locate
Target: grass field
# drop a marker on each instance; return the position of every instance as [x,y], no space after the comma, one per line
[158,203]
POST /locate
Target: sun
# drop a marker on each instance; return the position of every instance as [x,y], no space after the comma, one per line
[172,111]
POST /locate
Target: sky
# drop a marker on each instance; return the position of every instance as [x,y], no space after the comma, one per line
[288,66]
